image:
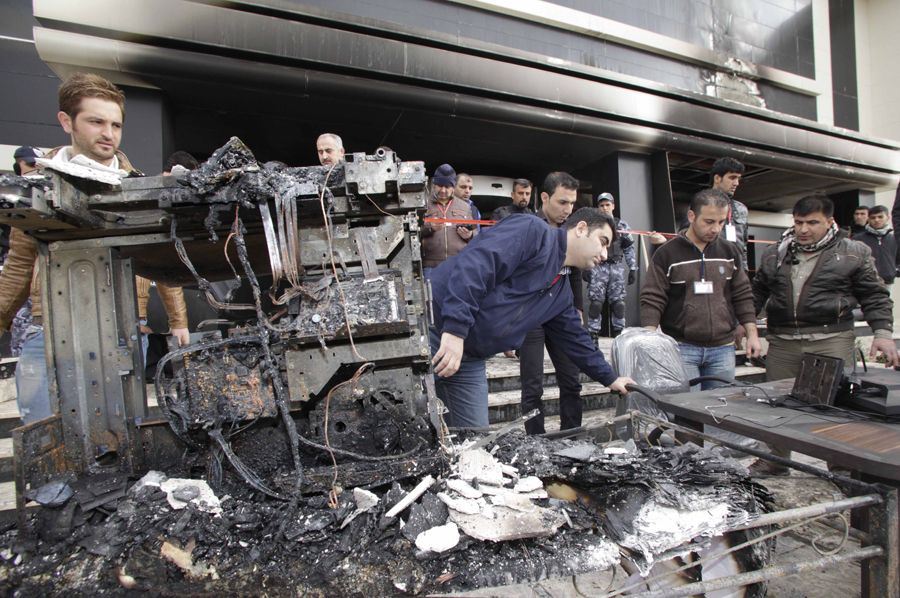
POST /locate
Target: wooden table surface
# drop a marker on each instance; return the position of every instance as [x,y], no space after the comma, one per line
[870,447]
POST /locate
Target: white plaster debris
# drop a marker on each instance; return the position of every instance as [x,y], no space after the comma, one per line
[206,500]
[492,490]
[364,500]
[463,505]
[615,450]
[410,498]
[464,489]
[514,501]
[438,539]
[658,528]
[151,478]
[508,524]
[479,465]
[602,556]
[510,471]
[529,484]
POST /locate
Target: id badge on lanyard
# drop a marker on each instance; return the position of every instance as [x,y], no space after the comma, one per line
[730,233]
[703,286]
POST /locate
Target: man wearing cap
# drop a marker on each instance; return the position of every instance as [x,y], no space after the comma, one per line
[25,157]
[330,149]
[443,240]
[608,280]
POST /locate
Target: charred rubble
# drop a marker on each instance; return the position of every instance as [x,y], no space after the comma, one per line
[298,449]
[539,508]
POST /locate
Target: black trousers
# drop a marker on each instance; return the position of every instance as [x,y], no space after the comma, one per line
[531,373]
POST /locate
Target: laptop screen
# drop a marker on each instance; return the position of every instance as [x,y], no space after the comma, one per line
[819,378]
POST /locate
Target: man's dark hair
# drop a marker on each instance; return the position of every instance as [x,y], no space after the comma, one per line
[723,166]
[878,210]
[812,204]
[593,218]
[180,158]
[559,179]
[858,208]
[708,197]
[521,183]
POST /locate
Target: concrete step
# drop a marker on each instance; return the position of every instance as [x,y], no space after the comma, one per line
[7,501]
[506,405]
[6,459]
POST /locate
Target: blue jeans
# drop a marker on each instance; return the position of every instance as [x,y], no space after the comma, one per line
[465,393]
[707,361]
[712,361]
[32,393]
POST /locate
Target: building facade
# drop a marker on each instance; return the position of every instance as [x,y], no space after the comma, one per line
[636,97]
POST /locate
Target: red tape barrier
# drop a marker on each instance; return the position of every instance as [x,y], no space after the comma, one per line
[631,232]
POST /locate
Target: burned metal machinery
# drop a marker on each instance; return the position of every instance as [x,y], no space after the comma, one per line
[315,273]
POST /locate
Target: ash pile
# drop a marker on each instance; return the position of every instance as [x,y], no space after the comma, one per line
[514,510]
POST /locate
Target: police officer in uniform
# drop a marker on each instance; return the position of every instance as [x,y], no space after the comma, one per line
[609,279]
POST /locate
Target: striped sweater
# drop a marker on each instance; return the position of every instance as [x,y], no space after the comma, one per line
[669,298]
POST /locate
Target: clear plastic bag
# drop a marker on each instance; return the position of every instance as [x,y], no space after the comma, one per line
[652,360]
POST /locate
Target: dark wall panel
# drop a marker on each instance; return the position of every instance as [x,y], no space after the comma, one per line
[843,63]
[28,102]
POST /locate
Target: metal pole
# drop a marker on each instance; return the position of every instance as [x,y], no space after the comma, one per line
[810,511]
[743,579]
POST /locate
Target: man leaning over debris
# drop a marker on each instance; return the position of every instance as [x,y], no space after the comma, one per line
[509,281]
[809,284]
[92,112]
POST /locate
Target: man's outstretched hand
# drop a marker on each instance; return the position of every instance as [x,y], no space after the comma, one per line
[449,355]
[886,346]
[618,384]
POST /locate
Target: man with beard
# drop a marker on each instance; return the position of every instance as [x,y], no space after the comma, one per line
[521,198]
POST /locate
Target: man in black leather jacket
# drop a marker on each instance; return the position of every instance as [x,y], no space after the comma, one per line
[808,284]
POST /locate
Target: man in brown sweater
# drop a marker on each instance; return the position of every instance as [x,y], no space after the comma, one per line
[697,292]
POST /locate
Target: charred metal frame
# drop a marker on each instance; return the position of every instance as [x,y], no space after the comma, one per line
[97,237]
[876,505]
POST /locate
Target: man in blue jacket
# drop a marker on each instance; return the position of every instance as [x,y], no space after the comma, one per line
[509,280]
